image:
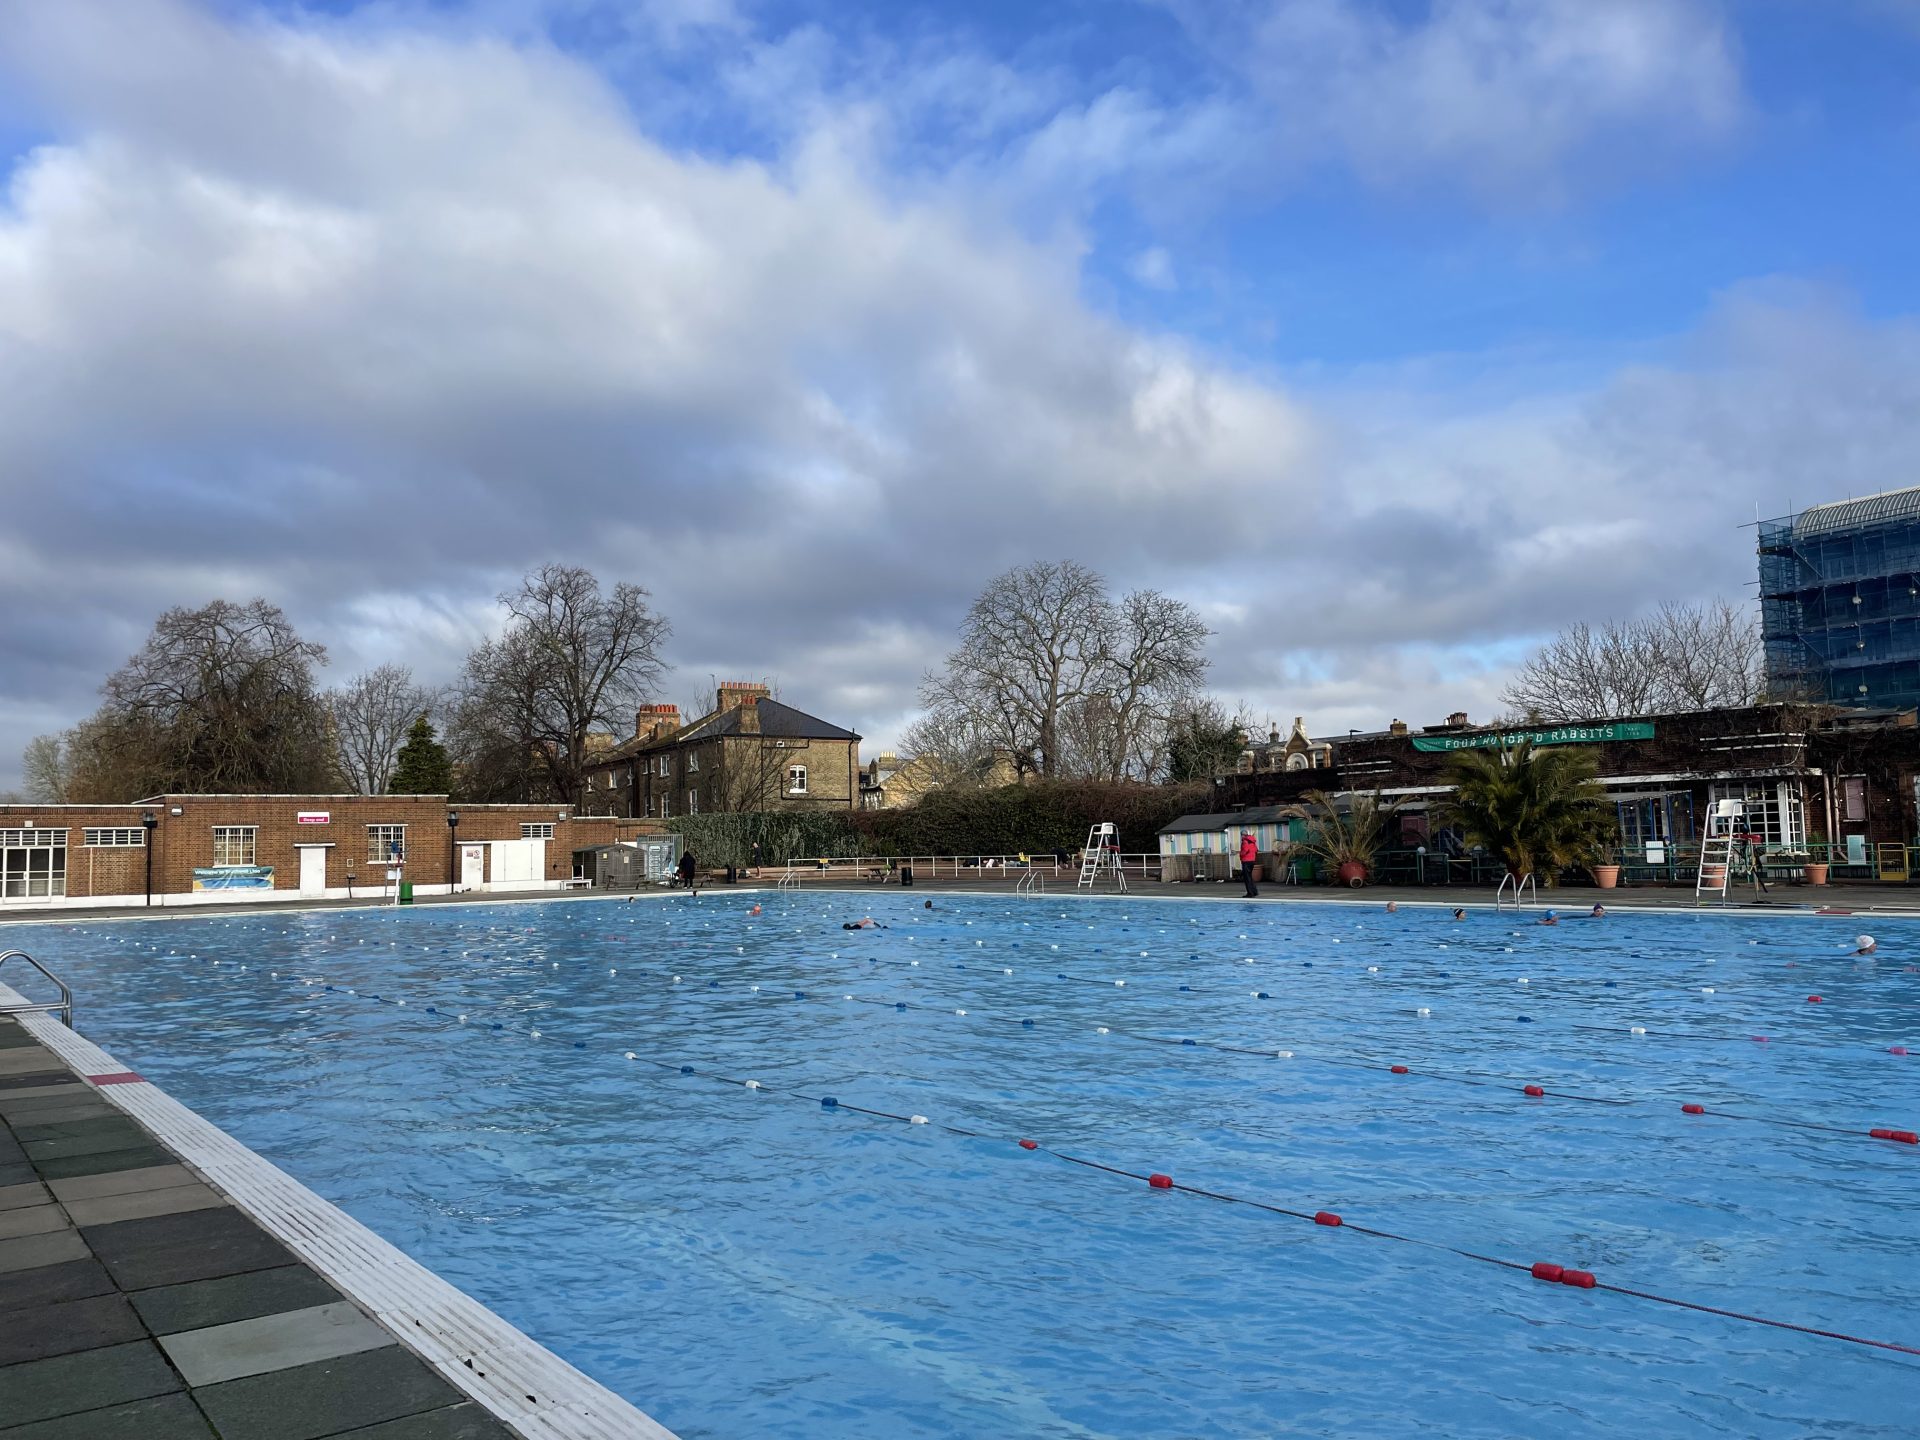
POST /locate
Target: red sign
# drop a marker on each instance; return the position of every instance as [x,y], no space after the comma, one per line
[314,817]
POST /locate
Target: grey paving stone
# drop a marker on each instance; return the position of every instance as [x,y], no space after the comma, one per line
[24,1059]
[141,1205]
[165,1417]
[91,1380]
[36,1220]
[326,1399]
[20,1173]
[68,1326]
[172,1308]
[121,1182]
[457,1422]
[67,1166]
[45,1112]
[24,1088]
[108,1137]
[47,1077]
[15,1197]
[272,1342]
[45,1284]
[173,1249]
[73,1129]
[30,1252]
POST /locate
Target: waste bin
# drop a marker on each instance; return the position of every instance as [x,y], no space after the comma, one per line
[906,874]
[406,892]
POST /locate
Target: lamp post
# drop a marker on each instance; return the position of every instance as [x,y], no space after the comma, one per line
[453,824]
[149,820]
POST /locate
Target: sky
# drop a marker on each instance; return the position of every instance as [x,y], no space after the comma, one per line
[1393,335]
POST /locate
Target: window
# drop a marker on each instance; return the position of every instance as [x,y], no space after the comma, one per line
[662,767]
[33,864]
[693,762]
[537,832]
[233,844]
[693,802]
[106,838]
[796,779]
[386,844]
[1772,810]
[666,808]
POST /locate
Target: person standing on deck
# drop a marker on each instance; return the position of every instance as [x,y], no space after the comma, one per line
[1249,853]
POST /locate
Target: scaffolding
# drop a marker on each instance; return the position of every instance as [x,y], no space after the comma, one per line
[1840,602]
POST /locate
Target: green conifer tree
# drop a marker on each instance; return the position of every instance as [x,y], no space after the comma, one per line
[423,766]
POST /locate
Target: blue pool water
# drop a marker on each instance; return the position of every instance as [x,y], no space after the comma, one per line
[746,1264]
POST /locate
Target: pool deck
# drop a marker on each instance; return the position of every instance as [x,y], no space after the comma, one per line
[140,1299]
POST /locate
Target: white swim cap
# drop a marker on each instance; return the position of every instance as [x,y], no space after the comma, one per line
[1862,941]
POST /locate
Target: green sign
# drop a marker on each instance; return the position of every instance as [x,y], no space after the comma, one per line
[1558,735]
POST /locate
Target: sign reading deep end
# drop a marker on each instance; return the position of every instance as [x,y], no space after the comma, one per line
[1558,735]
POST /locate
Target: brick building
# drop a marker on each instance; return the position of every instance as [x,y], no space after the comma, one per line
[187,848]
[750,753]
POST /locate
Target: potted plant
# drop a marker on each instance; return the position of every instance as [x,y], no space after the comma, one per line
[1536,810]
[1343,836]
[1606,875]
[1816,870]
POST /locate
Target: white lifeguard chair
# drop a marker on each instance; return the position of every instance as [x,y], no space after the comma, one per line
[1724,841]
[1102,857]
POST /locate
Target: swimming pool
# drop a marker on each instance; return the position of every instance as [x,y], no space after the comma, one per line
[748,1262]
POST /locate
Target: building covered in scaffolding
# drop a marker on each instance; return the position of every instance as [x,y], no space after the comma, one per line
[1840,602]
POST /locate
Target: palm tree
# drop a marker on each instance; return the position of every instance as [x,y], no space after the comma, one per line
[1346,833]
[1535,809]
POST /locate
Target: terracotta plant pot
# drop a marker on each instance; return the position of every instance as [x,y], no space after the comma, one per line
[1816,874]
[1713,876]
[1352,873]
[1606,876]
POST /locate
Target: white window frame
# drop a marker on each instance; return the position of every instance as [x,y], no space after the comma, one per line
[693,802]
[693,762]
[1775,810]
[226,837]
[797,780]
[113,837]
[379,837]
[666,807]
[536,830]
[27,882]
[666,765]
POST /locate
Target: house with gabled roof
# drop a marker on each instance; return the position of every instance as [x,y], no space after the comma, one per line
[750,753]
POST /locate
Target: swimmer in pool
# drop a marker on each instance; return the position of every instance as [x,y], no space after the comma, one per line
[1864,945]
[1599,913]
[1392,905]
[1459,914]
[928,905]
[1549,918]
[869,923]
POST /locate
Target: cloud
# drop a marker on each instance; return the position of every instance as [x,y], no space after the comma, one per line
[370,319]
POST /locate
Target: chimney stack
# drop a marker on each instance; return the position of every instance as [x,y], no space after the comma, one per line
[650,722]
[735,693]
[1398,727]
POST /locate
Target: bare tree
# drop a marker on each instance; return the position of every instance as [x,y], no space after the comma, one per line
[371,715]
[1681,657]
[45,771]
[218,699]
[1055,675]
[572,661]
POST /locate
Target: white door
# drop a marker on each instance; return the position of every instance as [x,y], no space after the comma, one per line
[473,866]
[313,869]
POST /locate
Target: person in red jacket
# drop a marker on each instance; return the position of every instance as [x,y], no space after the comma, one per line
[1249,853]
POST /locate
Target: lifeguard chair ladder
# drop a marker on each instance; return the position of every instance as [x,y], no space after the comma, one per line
[1726,823]
[1099,857]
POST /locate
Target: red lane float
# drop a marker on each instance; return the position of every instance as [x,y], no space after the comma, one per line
[1535,1091]
[1693,1109]
[1397,1069]
[1160,1182]
[1813,999]
[1029,1144]
[1326,1217]
[1905,1137]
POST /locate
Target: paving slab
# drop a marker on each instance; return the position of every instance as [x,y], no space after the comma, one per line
[73,1129]
[85,1106]
[19,1089]
[165,1417]
[458,1422]
[172,1249]
[121,1182]
[105,1137]
[90,1380]
[52,1076]
[32,1220]
[44,1284]
[195,1306]
[17,1173]
[141,1205]
[67,1166]
[67,1326]
[30,1252]
[28,1058]
[31,1192]
[325,1399]
[273,1342]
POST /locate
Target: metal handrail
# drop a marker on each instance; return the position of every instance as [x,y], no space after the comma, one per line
[1520,884]
[1034,882]
[65,1006]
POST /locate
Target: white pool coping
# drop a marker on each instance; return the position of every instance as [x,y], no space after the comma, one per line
[519,1381]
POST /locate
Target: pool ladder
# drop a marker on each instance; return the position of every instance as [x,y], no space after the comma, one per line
[790,880]
[1031,883]
[1524,884]
[62,1007]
